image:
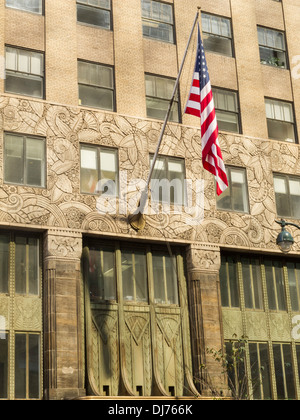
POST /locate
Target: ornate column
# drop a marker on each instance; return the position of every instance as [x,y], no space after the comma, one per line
[63,326]
[205,310]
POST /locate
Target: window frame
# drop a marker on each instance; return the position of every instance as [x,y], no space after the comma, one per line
[285,51]
[98,149]
[28,335]
[26,75]
[134,281]
[293,123]
[231,38]
[287,179]
[110,89]
[246,204]
[25,137]
[153,20]
[259,373]
[167,160]
[41,13]
[93,6]
[163,100]
[284,366]
[117,247]
[215,91]
[230,286]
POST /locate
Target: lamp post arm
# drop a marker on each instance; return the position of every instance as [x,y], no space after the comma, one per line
[283,223]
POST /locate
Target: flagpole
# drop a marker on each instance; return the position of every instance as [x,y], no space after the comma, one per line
[136,220]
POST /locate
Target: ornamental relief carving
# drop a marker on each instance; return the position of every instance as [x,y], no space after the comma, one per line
[62,206]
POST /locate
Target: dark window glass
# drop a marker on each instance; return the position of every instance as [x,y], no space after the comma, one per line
[94,12]
[157,20]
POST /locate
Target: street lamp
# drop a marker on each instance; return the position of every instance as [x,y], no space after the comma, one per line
[285,240]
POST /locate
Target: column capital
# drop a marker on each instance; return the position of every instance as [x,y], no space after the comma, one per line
[63,244]
[203,257]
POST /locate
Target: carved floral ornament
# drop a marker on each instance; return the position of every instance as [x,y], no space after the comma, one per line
[62,205]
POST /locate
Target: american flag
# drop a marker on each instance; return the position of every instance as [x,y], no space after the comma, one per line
[201,104]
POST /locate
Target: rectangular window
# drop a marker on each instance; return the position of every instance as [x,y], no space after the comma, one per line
[158,21]
[167,184]
[165,279]
[24,161]
[285,380]
[294,284]
[34,6]
[133,272]
[287,194]
[102,281]
[252,284]
[227,110]
[27,265]
[260,371]
[94,12]
[272,47]
[235,197]
[217,34]
[134,276]
[4,341]
[27,366]
[236,368]
[275,285]
[24,72]
[159,92]
[229,282]
[96,85]
[99,170]
[280,120]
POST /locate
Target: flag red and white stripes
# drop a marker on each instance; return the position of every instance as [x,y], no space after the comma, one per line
[201,104]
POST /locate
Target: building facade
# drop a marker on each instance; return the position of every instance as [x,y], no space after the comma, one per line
[88,305]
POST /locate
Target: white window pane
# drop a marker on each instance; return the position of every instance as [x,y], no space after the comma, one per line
[269,109]
[99,3]
[215,25]
[37,64]
[88,159]
[175,167]
[221,101]
[279,41]
[231,102]
[261,36]
[288,112]
[159,164]
[270,38]
[225,28]
[278,114]
[280,186]
[150,86]
[108,161]
[294,187]
[205,20]
[237,176]
[11,59]
[166,13]
[34,149]
[24,62]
